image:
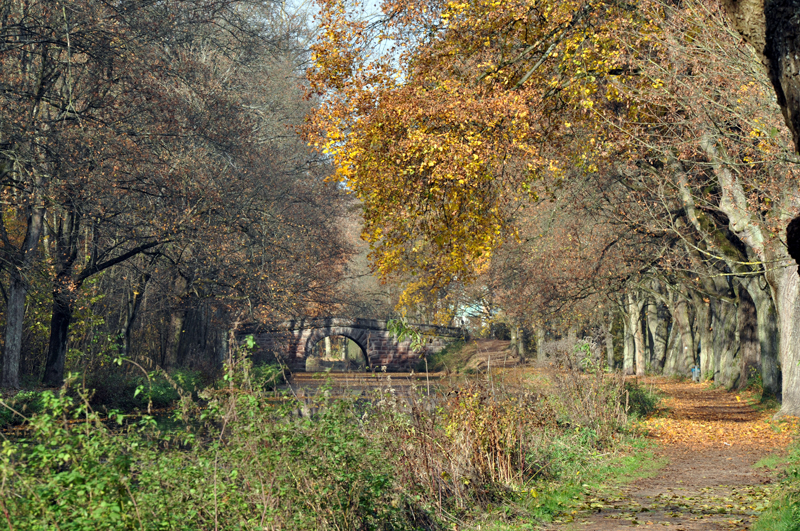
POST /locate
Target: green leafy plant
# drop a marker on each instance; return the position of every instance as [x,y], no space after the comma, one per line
[641,401]
[783,513]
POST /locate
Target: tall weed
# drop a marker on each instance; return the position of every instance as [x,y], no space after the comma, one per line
[467,449]
[585,395]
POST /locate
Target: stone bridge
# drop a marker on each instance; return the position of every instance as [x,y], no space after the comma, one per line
[292,343]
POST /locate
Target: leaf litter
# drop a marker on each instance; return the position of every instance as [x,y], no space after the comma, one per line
[711,438]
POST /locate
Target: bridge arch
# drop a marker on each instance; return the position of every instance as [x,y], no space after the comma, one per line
[359,336]
[292,342]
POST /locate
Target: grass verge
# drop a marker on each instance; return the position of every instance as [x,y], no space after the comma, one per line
[783,513]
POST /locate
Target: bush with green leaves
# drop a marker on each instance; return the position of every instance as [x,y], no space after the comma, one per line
[640,400]
[242,462]
[25,403]
[239,456]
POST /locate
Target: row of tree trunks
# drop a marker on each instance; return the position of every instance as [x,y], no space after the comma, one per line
[727,333]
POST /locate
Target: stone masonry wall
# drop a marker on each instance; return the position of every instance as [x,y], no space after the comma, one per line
[292,342]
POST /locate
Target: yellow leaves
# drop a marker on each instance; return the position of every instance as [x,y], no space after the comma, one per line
[435,137]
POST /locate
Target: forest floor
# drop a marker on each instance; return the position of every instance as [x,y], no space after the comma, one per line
[715,477]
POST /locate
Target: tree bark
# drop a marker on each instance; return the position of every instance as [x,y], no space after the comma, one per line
[684,357]
[782,281]
[768,334]
[15,317]
[177,318]
[134,302]
[788,306]
[628,345]
[540,356]
[726,346]
[59,334]
[747,337]
[18,289]
[520,342]
[773,29]
[638,340]
[657,336]
[634,360]
[609,339]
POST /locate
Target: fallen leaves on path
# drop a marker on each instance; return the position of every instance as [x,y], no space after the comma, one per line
[710,439]
[698,415]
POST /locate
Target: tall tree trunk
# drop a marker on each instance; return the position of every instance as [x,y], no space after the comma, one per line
[177,318]
[748,337]
[768,334]
[772,28]
[670,354]
[520,342]
[726,347]
[15,317]
[540,355]
[634,359]
[17,293]
[513,332]
[629,343]
[59,333]
[788,306]
[783,282]
[638,337]
[684,357]
[65,290]
[135,296]
[705,332]
[658,321]
[609,339]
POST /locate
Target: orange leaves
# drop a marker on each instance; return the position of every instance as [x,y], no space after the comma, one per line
[698,416]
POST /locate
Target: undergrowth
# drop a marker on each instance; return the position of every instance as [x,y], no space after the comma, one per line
[116,390]
[451,358]
[238,456]
[783,513]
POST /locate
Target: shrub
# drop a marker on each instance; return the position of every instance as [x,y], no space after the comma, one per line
[243,462]
[467,451]
[590,399]
[268,376]
[242,458]
[117,390]
[446,359]
[72,474]
[25,403]
[641,401]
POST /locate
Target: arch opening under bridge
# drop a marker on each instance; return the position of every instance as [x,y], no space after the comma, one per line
[292,342]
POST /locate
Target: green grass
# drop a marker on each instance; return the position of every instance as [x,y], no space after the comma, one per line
[583,480]
[783,513]
[772,462]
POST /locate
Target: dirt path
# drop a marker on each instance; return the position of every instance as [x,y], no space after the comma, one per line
[710,439]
